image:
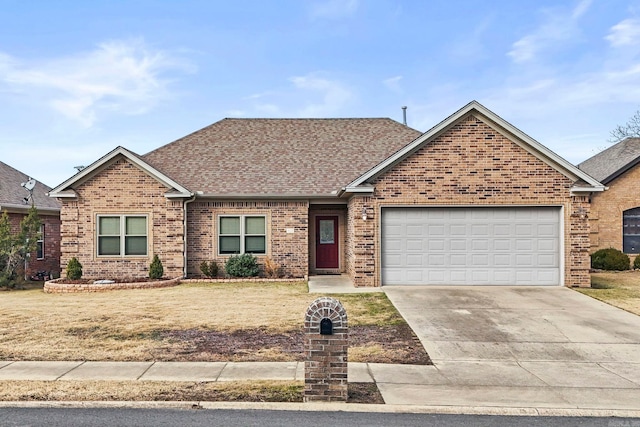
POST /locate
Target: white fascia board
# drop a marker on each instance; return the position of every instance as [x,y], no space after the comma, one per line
[561,164]
[360,190]
[62,189]
[65,194]
[577,189]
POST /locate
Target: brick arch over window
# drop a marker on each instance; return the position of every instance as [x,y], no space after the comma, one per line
[631,231]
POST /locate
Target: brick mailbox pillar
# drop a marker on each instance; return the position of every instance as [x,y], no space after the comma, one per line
[326,344]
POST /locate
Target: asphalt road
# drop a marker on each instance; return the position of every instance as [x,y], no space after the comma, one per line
[130,417]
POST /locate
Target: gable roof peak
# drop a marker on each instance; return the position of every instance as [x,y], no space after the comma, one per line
[65,189]
[530,144]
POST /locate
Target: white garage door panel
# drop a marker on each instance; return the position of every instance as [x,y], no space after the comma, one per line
[471,246]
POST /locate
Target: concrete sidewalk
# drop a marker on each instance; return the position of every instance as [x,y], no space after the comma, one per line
[492,385]
[151,371]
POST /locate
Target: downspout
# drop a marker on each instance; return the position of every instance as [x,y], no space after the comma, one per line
[184,239]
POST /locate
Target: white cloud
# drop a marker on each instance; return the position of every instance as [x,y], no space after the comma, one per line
[260,95]
[334,9]
[269,109]
[334,95]
[393,83]
[118,76]
[625,33]
[311,95]
[235,113]
[557,29]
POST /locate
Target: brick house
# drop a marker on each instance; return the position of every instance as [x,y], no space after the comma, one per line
[615,214]
[15,200]
[471,201]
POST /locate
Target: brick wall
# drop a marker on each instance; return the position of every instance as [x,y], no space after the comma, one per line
[51,260]
[288,249]
[122,188]
[361,242]
[471,164]
[607,208]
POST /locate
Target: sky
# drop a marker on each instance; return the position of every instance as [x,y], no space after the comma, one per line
[79,78]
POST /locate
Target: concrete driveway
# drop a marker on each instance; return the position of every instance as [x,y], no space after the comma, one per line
[542,346]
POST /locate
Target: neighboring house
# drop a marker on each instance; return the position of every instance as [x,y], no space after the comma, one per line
[16,200]
[615,214]
[472,201]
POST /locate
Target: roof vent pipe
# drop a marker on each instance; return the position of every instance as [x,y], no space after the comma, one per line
[404,115]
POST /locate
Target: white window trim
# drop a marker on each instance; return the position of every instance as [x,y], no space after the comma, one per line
[41,241]
[242,234]
[122,235]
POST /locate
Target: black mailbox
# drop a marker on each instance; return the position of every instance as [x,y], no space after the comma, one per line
[326,327]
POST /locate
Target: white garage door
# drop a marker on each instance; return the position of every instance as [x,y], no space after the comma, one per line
[471,246]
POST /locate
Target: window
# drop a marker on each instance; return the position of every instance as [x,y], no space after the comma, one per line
[123,235]
[631,231]
[40,243]
[242,234]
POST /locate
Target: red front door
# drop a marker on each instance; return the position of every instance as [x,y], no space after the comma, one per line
[327,255]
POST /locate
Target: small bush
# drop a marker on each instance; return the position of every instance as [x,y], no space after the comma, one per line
[245,265]
[271,269]
[636,262]
[610,259]
[155,269]
[8,280]
[74,269]
[209,269]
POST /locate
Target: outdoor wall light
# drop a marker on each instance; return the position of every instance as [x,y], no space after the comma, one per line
[582,212]
[364,213]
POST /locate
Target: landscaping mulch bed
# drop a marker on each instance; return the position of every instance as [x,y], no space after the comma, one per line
[399,343]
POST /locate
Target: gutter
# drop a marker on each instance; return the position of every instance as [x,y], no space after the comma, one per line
[185,232]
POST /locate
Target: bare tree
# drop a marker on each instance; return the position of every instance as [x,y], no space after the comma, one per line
[629,129]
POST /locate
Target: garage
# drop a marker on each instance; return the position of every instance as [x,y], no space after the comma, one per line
[471,246]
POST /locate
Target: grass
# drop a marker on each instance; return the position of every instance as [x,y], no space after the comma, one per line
[620,289]
[254,391]
[137,325]
[141,325]
[149,391]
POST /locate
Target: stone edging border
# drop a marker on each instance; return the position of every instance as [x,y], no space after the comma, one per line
[240,280]
[53,286]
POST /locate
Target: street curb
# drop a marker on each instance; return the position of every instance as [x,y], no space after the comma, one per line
[331,407]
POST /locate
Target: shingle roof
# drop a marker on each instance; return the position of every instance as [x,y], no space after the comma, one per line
[279,156]
[12,194]
[614,161]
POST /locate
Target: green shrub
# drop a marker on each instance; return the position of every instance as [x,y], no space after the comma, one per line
[636,262]
[74,269]
[610,259]
[209,269]
[155,269]
[245,265]
[7,279]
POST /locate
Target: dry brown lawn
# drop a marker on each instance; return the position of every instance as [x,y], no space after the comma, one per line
[254,391]
[618,288]
[238,391]
[199,321]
